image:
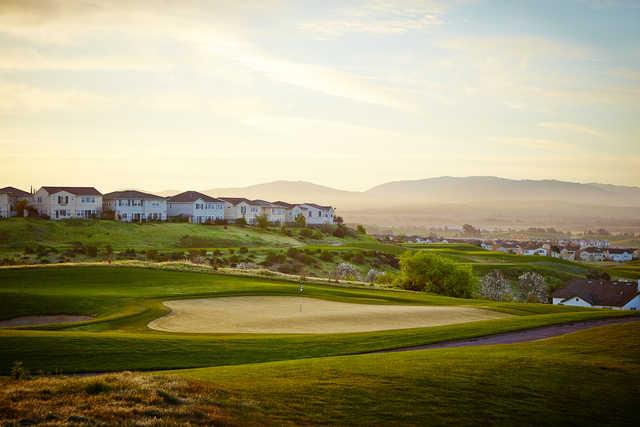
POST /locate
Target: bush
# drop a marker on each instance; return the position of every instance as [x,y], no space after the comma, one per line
[326,256]
[18,371]
[274,258]
[317,235]
[97,387]
[243,250]
[358,258]
[300,221]
[360,229]
[422,271]
[241,222]
[340,231]
[346,271]
[306,233]
[91,251]
[262,221]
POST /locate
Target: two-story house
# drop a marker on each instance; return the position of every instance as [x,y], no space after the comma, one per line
[198,207]
[9,198]
[619,255]
[592,254]
[136,206]
[68,202]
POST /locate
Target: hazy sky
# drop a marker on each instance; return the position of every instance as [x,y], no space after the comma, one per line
[193,95]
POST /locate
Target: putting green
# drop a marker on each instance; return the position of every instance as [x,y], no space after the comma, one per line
[300,315]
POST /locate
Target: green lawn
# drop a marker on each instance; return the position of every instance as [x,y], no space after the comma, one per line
[124,300]
[587,378]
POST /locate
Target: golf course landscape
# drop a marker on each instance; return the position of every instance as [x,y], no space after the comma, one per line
[180,342]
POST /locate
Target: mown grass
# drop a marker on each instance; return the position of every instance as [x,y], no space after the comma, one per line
[124,300]
[587,378]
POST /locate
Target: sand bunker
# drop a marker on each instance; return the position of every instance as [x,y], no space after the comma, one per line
[41,320]
[305,315]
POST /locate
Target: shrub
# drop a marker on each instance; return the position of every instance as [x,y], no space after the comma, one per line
[274,258]
[18,371]
[340,231]
[426,271]
[317,235]
[346,271]
[358,258]
[360,229]
[243,250]
[97,387]
[300,221]
[306,232]
[240,222]
[326,256]
[262,221]
[91,251]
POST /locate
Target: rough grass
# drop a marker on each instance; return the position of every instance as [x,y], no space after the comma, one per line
[123,399]
[587,378]
[21,232]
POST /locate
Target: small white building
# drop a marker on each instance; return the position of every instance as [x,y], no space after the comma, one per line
[9,198]
[620,255]
[68,202]
[197,207]
[599,294]
[136,206]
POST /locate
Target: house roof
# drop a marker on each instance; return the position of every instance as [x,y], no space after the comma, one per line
[192,196]
[599,292]
[283,204]
[620,251]
[317,206]
[12,191]
[235,200]
[592,250]
[78,191]
[262,203]
[130,194]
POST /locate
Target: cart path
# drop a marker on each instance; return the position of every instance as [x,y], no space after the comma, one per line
[516,336]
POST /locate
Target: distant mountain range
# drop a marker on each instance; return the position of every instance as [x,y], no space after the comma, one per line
[474,189]
[483,199]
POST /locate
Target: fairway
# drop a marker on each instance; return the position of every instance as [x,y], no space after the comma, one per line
[300,315]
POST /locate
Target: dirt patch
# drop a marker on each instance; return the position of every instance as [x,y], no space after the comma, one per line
[301,315]
[41,320]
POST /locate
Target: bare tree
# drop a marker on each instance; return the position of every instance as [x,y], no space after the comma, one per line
[494,286]
[346,271]
[532,287]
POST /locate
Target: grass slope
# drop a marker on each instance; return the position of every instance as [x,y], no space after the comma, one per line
[586,378]
[16,233]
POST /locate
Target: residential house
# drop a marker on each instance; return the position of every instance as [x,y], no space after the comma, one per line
[599,294]
[9,198]
[534,249]
[592,254]
[318,214]
[569,253]
[239,207]
[136,206]
[68,202]
[197,207]
[619,255]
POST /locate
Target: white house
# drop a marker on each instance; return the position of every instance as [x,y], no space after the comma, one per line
[198,207]
[317,214]
[592,254]
[599,294]
[9,197]
[534,249]
[136,206]
[620,255]
[68,202]
[239,207]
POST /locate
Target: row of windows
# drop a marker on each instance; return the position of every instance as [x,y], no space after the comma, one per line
[136,202]
[209,206]
[63,200]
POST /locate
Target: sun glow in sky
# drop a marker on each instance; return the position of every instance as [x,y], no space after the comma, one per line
[161,95]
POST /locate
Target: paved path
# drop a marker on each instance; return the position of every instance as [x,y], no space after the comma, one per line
[518,336]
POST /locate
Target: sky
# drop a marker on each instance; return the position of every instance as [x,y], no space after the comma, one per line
[161,95]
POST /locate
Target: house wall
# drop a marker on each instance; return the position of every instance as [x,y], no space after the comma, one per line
[199,211]
[71,205]
[140,209]
[574,301]
[5,206]
[318,216]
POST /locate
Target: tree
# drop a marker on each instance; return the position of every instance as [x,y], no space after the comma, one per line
[338,220]
[494,286]
[346,271]
[262,221]
[22,206]
[300,221]
[340,231]
[532,288]
[423,271]
[361,229]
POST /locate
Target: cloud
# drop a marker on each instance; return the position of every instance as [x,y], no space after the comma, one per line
[573,127]
[379,16]
[533,143]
